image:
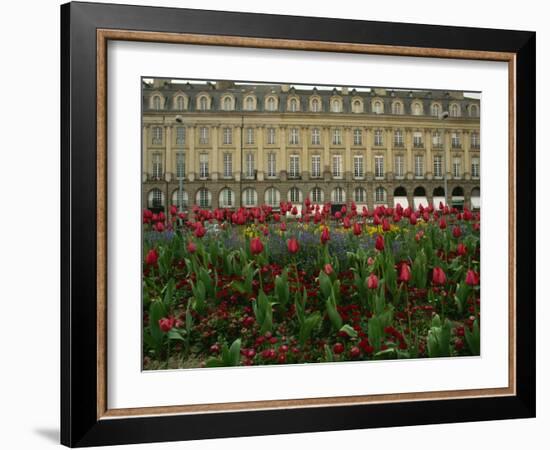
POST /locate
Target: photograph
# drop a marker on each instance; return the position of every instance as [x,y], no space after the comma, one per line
[285,223]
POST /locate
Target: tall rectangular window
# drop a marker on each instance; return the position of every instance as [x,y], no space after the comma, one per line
[455,140]
[250,135]
[203,165]
[180,135]
[378,139]
[337,166]
[436,139]
[417,139]
[157,165]
[399,168]
[249,165]
[227,165]
[337,136]
[316,166]
[294,171]
[419,166]
[271,165]
[438,166]
[227,136]
[475,167]
[157,135]
[294,136]
[456,167]
[203,135]
[358,171]
[357,136]
[271,136]
[315,136]
[475,140]
[398,138]
[379,166]
[180,165]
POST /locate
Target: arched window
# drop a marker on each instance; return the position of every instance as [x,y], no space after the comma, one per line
[156,102]
[417,109]
[250,104]
[357,106]
[378,107]
[475,199]
[295,195]
[380,195]
[436,110]
[455,111]
[250,197]
[315,105]
[227,198]
[155,198]
[474,111]
[338,195]
[400,192]
[317,195]
[397,108]
[419,192]
[439,192]
[360,195]
[227,104]
[180,200]
[336,106]
[204,198]
[293,105]
[180,103]
[272,197]
[203,103]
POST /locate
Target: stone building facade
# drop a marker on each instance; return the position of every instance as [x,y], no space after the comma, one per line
[227,144]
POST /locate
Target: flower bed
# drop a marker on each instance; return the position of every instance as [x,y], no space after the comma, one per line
[255,286]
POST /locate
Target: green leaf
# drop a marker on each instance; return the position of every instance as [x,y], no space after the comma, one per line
[325,285]
[375,330]
[175,335]
[214,362]
[473,338]
[169,292]
[235,352]
[332,312]
[349,331]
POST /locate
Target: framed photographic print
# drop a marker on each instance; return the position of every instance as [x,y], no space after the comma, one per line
[277,224]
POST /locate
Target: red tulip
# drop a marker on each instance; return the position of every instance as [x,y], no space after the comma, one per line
[461,249]
[152,257]
[191,247]
[385,225]
[173,210]
[405,274]
[357,229]
[442,223]
[159,226]
[166,324]
[419,235]
[338,215]
[294,211]
[412,219]
[256,246]
[283,226]
[276,217]
[471,278]
[292,245]
[347,223]
[200,231]
[379,243]
[457,232]
[325,236]
[354,352]
[338,348]
[372,281]
[328,269]
[438,276]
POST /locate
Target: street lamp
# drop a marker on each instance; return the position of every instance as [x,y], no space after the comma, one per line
[443,116]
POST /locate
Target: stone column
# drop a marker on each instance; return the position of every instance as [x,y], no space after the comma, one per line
[215,152]
[145,153]
[326,150]
[168,155]
[282,162]
[348,166]
[467,157]
[261,163]
[191,169]
[447,150]
[237,166]
[409,163]
[304,158]
[389,152]
[429,159]
[368,157]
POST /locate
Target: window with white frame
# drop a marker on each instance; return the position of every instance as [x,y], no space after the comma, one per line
[249,104]
[317,195]
[293,105]
[474,138]
[315,136]
[180,198]
[204,198]
[455,110]
[227,165]
[474,111]
[294,169]
[156,102]
[316,166]
[360,195]
[271,136]
[250,135]
[438,166]
[358,171]
[337,136]
[271,165]
[357,136]
[357,106]
[156,198]
[227,198]
[419,166]
[338,195]
[157,135]
[379,166]
[180,165]
[398,138]
[249,173]
[380,195]
[227,104]
[397,108]
[227,135]
[203,103]
[295,195]
[417,109]
[456,167]
[250,197]
[378,107]
[378,137]
[271,104]
[315,106]
[417,139]
[475,167]
[455,139]
[436,139]
[436,110]
[272,197]
[294,136]
[203,135]
[337,166]
[336,106]
[157,165]
[399,166]
[180,135]
[180,103]
[203,165]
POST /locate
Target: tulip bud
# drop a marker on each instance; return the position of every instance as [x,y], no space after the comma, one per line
[191,247]
[405,273]
[152,257]
[328,269]
[292,245]
[379,243]
[457,232]
[256,246]
[471,278]
[372,281]
[438,276]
